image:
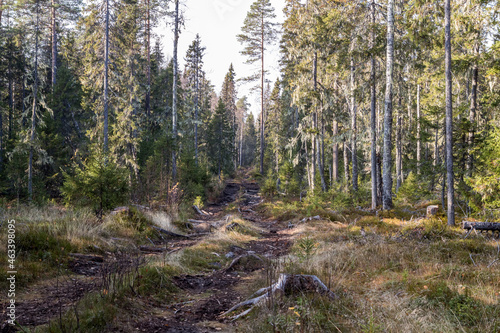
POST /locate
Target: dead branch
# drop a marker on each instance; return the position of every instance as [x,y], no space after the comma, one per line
[286,284]
[88,257]
[238,258]
[170,233]
[199,211]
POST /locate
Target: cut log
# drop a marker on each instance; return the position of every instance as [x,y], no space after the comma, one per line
[287,284]
[493,226]
[169,233]
[432,210]
[88,257]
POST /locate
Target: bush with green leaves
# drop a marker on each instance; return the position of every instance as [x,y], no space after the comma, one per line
[412,190]
[99,183]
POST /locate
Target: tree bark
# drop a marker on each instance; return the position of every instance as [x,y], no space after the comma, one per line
[106,65]
[318,147]
[354,131]
[399,125]
[174,93]
[33,112]
[54,42]
[335,158]
[373,115]
[262,97]
[346,163]
[472,114]
[387,168]
[148,56]
[449,117]
[419,140]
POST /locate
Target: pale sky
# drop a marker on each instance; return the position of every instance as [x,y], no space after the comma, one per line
[218,22]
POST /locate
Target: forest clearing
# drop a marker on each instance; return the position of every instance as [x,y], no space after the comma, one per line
[249,166]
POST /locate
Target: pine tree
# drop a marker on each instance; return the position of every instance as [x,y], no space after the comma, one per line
[257,32]
[220,140]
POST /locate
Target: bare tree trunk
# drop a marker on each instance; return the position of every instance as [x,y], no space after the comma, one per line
[262,97]
[315,124]
[148,56]
[419,140]
[387,168]
[33,112]
[373,116]
[354,132]
[449,116]
[380,187]
[472,114]
[174,93]
[54,43]
[335,155]
[106,65]
[399,125]
[346,163]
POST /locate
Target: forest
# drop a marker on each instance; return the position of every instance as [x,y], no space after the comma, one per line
[361,193]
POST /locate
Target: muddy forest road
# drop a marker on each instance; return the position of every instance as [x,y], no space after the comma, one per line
[211,295]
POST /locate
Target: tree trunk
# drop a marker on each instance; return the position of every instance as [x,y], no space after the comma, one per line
[373,116]
[174,93]
[196,101]
[472,114]
[387,168]
[354,131]
[315,120]
[346,163]
[262,97]
[33,112]
[54,43]
[148,56]
[106,65]
[399,125]
[419,140]
[335,155]
[449,116]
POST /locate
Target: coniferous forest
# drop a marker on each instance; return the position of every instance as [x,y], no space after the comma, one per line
[360,192]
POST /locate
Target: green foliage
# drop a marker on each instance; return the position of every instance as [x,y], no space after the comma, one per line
[157,280]
[485,183]
[268,187]
[99,183]
[220,142]
[412,190]
[193,178]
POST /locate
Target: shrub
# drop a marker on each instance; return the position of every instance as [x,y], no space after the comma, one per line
[412,190]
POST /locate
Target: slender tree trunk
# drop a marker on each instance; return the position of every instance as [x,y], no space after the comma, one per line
[387,168]
[380,184]
[148,56]
[174,93]
[354,131]
[335,155]
[33,112]
[54,42]
[262,97]
[106,65]
[373,115]
[472,114]
[399,125]
[419,140]
[346,163]
[196,102]
[315,120]
[449,116]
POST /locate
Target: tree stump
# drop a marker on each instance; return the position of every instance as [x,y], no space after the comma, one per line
[432,210]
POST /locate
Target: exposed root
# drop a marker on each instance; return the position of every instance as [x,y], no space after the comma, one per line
[286,284]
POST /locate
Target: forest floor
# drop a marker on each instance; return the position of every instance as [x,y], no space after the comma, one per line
[390,271]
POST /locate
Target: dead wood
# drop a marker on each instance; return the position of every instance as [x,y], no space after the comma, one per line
[238,259]
[317,217]
[169,233]
[481,225]
[87,257]
[199,211]
[287,284]
[151,249]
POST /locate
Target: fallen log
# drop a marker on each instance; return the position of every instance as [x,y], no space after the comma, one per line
[151,249]
[199,211]
[87,257]
[493,226]
[169,233]
[287,284]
